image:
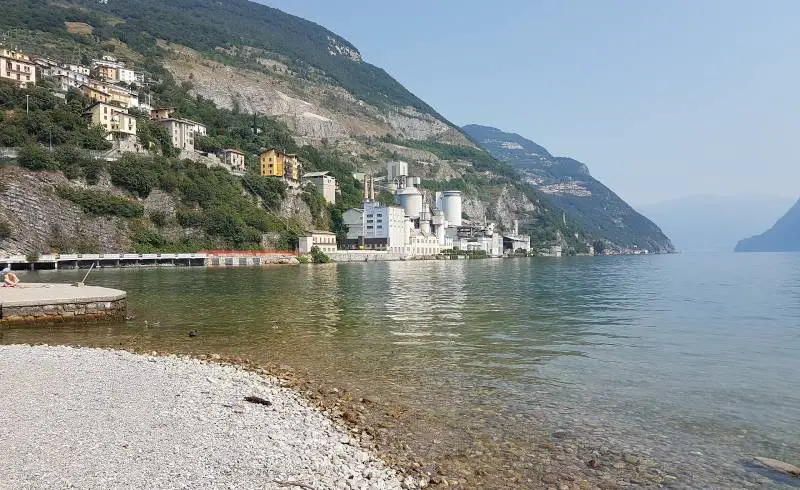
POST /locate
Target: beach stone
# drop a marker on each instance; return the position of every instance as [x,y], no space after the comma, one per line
[110,442]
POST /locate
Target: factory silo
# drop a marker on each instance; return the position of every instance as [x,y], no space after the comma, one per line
[410,199]
[451,206]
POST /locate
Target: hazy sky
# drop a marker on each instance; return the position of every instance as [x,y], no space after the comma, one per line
[660,99]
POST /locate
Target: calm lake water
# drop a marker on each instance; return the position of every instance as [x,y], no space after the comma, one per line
[691,360]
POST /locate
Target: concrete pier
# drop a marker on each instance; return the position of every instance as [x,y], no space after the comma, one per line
[59,303]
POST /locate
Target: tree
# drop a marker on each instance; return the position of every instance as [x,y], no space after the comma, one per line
[599,247]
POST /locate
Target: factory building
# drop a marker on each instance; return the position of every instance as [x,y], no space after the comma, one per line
[396,170]
[414,227]
[325,184]
[376,227]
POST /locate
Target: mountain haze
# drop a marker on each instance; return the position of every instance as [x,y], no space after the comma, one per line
[568,185]
[715,223]
[784,236]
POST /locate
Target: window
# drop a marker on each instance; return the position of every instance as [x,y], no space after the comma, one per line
[369,227]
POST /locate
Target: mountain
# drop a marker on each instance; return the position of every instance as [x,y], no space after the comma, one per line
[567,184]
[256,77]
[715,223]
[784,236]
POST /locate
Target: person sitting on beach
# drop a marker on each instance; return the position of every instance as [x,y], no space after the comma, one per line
[10,280]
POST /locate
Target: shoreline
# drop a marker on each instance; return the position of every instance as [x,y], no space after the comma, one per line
[99,418]
[558,457]
[381,428]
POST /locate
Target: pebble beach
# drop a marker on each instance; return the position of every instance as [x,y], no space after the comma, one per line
[93,418]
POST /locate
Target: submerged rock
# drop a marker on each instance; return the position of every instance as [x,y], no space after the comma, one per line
[776,465]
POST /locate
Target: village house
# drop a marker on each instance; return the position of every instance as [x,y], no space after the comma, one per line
[17,67]
[182,131]
[325,184]
[275,163]
[95,92]
[324,240]
[233,159]
[116,121]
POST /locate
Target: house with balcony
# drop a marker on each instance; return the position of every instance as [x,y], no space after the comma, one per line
[118,124]
[182,131]
[17,67]
[233,159]
[275,163]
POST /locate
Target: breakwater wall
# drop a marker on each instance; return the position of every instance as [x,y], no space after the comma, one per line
[59,303]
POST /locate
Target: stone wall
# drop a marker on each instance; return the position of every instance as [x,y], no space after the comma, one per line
[62,313]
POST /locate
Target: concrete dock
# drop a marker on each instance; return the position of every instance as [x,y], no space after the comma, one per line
[59,303]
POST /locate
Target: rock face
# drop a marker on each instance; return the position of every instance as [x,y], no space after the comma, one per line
[39,220]
[314,110]
[567,184]
[784,236]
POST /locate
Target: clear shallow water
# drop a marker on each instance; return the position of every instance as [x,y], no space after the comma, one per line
[693,360]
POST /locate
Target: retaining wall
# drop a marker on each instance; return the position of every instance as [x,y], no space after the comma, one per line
[63,312]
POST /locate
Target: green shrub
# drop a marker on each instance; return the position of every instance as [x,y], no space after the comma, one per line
[158,218]
[91,170]
[138,175]
[101,203]
[35,157]
[318,256]
[270,189]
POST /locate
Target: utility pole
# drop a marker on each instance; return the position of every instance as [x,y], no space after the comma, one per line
[27,104]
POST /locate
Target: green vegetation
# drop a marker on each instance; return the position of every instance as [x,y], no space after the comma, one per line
[207,24]
[318,256]
[101,203]
[34,115]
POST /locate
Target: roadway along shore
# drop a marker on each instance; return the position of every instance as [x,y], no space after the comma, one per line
[92,418]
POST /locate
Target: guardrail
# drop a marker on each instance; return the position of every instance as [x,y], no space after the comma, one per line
[17,259]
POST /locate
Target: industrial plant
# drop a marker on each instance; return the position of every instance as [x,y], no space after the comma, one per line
[420,223]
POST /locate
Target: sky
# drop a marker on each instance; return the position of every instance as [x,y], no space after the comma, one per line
[660,99]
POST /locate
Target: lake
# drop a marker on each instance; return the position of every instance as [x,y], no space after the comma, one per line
[690,362]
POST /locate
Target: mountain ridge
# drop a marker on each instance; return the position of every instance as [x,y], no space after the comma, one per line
[783,236]
[568,184]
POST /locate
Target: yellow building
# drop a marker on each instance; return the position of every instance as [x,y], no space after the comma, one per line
[275,163]
[116,121]
[95,93]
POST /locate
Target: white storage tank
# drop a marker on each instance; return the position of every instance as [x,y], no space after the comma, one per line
[451,206]
[410,199]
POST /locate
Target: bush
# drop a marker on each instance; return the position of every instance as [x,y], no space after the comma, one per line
[101,203]
[318,256]
[270,189]
[135,174]
[91,170]
[69,160]
[158,218]
[35,157]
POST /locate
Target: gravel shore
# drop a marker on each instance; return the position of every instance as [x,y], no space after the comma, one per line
[92,418]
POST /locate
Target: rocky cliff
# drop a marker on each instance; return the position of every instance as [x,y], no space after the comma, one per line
[40,221]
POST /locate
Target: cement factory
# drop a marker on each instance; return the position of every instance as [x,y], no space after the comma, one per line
[418,226]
